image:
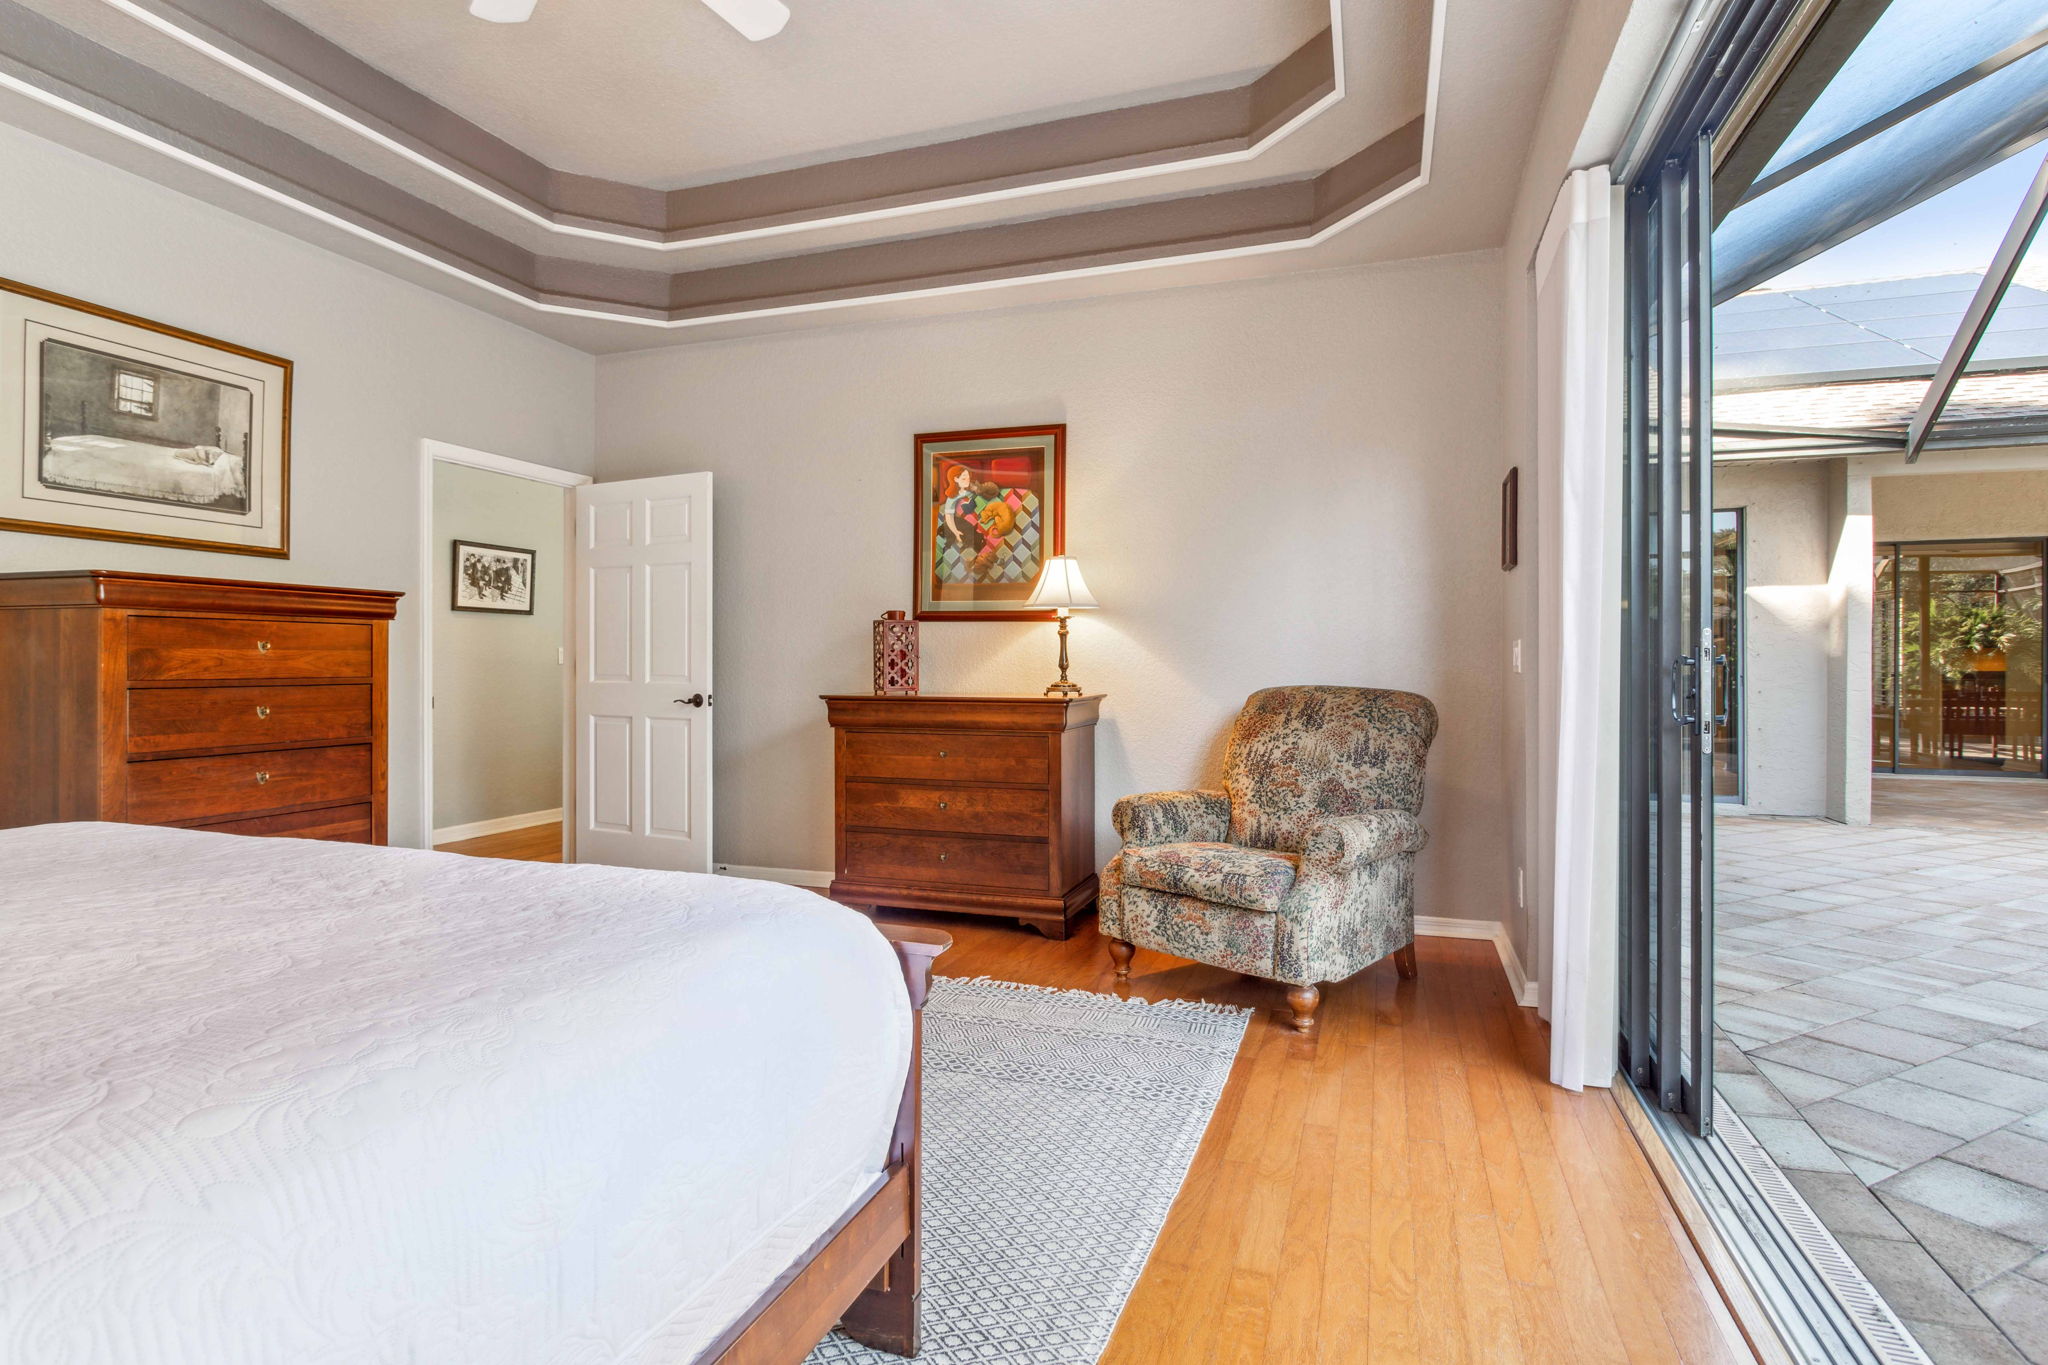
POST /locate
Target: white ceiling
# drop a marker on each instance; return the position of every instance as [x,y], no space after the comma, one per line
[663,93]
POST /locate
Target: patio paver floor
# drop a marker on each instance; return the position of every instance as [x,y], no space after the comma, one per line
[1882,992]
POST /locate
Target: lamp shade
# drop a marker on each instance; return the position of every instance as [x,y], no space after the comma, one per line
[1060,585]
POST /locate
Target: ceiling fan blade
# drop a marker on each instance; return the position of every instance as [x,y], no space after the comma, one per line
[502,11]
[755,19]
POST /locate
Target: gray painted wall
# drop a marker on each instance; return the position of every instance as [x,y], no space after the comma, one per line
[497,683]
[1282,481]
[380,364]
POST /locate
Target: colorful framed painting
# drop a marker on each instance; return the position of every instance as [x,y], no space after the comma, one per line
[990,511]
[113,427]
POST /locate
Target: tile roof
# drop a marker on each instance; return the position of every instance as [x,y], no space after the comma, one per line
[1885,403]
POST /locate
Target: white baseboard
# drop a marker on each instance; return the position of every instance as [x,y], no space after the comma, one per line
[480,828]
[1431,926]
[792,876]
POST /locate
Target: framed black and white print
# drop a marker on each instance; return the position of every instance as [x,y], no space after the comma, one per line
[113,427]
[497,578]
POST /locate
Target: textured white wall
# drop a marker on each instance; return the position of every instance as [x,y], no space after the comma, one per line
[497,685]
[379,365]
[1283,481]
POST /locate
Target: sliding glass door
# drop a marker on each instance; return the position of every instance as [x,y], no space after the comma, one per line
[1675,671]
[1956,657]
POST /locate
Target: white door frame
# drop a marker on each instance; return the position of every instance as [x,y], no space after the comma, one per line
[442,452]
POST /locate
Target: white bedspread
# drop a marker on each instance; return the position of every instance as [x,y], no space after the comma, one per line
[265,1100]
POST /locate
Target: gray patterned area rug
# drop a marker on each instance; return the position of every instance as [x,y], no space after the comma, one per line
[1058,1126]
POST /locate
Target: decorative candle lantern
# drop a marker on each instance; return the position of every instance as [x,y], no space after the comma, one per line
[895,655]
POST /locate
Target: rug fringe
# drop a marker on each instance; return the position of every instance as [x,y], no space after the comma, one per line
[1100,997]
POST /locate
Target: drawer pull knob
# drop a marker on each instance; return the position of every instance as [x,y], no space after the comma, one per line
[942,805]
[263,713]
[942,753]
[942,857]
[263,646]
[262,778]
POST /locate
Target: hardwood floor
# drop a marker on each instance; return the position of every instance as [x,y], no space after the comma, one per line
[534,844]
[1403,1186]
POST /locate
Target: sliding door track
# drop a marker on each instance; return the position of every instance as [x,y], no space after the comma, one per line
[1819,1306]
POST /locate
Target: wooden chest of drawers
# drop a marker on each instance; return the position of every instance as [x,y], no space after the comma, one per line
[251,708]
[984,805]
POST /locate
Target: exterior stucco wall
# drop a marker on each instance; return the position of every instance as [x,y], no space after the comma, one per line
[1848,529]
[1966,506]
[1809,531]
[1786,625]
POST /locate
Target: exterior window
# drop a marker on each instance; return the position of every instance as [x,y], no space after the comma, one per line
[1727,690]
[135,394]
[1956,657]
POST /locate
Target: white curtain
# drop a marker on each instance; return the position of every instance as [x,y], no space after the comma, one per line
[1579,468]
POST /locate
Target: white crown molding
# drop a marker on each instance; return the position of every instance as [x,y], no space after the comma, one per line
[316,101]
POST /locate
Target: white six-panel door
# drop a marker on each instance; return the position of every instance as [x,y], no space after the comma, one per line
[643,673]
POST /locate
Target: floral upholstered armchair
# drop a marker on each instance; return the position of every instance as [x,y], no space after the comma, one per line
[1302,869]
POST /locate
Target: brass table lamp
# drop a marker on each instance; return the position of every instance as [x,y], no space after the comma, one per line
[1061,588]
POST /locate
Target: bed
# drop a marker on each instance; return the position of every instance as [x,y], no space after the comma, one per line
[268,1100]
[204,476]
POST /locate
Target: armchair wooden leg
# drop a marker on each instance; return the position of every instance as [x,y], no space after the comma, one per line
[1404,962]
[1121,953]
[1303,1001]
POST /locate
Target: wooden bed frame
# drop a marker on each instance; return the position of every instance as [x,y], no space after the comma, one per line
[863,1275]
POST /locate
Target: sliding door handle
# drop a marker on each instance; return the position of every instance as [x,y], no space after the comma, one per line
[1685,690]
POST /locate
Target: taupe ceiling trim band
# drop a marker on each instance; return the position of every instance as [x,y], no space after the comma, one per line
[1195,131]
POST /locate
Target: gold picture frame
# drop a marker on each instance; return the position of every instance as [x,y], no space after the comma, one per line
[117,427]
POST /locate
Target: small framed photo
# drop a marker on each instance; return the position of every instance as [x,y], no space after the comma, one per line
[494,578]
[987,510]
[114,427]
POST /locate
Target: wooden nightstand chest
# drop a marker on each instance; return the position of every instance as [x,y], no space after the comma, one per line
[982,805]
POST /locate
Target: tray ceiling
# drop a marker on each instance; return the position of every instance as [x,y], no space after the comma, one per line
[631,172]
[662,93]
